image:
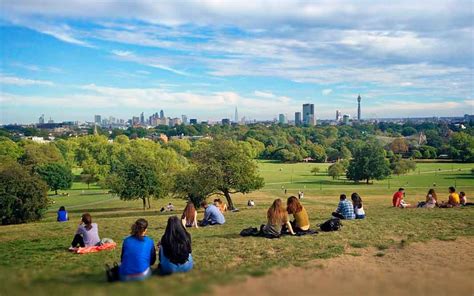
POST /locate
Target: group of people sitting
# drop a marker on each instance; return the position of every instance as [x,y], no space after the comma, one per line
[431,200]
[348,210]
[213,214]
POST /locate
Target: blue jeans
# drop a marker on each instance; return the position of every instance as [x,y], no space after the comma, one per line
[360,216]
[167,267]
[136,277]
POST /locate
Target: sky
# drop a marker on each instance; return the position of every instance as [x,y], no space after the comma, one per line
[72,60]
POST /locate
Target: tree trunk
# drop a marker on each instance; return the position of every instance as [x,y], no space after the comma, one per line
[144,203]
[368,181]
[149,204]
[88,185]
[56,192]
[229,199]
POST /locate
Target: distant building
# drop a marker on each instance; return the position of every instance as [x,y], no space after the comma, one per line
[135,120]
[97,119]
[345,119]
[184,119]
[162,114]
[236,116]
[41,119]
[282,119]
[174,121]
[297,118]
[142,119]
[308,114]
[225,121]
[358,108]
[193,121]
[50,120]
[338,116]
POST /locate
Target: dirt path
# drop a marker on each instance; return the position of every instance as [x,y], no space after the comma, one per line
[417,269]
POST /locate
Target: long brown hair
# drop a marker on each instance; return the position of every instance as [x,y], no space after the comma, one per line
[87,220]
[189,213]
[277,214]
[293,205]
[433,193]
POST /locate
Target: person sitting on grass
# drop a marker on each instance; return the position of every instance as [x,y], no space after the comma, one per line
[358,207]
[189,216]
[221,205]
[453,199]
[294,207]
[87,233]
[345,209]
[277,217]
[138,253]
[62,215]
[175,248]
[463,199]
[431,199]
[398,197]
[212,215]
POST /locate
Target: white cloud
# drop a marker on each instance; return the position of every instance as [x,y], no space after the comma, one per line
[326,91]
[18,81]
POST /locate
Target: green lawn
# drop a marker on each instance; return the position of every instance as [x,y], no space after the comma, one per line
[33,257]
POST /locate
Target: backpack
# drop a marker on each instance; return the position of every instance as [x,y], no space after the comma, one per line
[332,224]
[251,231]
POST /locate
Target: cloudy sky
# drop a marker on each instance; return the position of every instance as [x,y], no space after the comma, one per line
[204,58]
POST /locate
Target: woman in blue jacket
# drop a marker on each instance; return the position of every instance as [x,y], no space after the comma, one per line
[62,215]
[138,254]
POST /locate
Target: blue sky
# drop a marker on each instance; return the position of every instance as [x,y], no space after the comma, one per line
[202,59]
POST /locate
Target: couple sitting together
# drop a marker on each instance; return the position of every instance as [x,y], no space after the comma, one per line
[348,210]
[212,215]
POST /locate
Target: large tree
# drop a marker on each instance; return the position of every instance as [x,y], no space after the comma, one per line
[23,196]
[228,168]
[368,163]
[56,175]
[194,186]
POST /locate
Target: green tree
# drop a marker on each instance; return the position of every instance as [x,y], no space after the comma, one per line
[23,197]
[194,186]
[336,170]
[464,144]
[368,163]
[56,175]
[400,166]
[36,155]
[315,170]
[9,149]
[228,169]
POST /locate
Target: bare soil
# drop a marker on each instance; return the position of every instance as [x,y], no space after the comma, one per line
[432,268]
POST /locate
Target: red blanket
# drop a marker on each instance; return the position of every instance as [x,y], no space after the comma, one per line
[94,249]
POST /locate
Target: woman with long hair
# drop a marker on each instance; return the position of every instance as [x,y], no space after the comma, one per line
[87,233]
[189,216]
[221,205]
[175,248]
[138,253]
[277,217]
[358,207]
[295,208]
[431,199]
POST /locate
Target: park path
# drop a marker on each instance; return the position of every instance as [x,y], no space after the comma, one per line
[432,268]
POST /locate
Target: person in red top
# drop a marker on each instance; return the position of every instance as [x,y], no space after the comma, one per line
[397,197]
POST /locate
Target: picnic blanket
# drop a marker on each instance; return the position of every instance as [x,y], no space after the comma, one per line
[94,249]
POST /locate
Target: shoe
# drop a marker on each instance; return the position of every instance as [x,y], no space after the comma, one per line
[71,249]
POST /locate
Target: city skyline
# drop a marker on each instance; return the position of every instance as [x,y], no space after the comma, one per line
[264,59]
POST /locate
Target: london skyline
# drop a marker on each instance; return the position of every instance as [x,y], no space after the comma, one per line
[405,59]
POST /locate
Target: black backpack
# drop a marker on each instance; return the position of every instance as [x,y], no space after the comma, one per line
[251,231]
[332,224]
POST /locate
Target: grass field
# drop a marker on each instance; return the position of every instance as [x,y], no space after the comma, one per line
[33,257]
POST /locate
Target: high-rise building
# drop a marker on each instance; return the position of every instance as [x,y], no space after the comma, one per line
[236,116]
[184,119]
[97,119]
[282,119]
[338,115]
[142,118]
[345,119]
[358,108]
[297,118]
[41,119]
[308,114]
[225,121]
[135,120]
[193,121]
[162,114]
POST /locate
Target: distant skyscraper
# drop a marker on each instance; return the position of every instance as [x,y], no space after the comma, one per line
[282,119]
[345,119]
[41,119]
[142,118]
[184,119]
[338,115]
[297,118]
[358,108]
[236,116]
[162,114]
[193,121]
[97,119]
[308,114]
[225,121]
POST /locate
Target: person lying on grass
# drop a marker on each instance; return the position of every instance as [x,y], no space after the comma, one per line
[345,209]
[87,233]
[294,207]
[62,215]
[358,207]
[175,248]
[453,199]
[189,216]
[277,217]
[138,253]
[212,215]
